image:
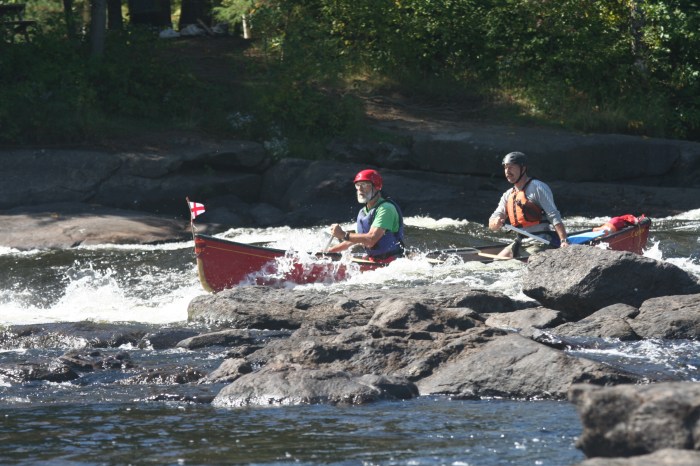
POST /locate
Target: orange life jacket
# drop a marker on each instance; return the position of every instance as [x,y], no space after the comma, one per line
[522,212]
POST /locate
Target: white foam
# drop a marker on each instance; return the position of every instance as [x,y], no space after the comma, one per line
[433,224]
[690,215]
[653,251]
[98,296]
[156,292]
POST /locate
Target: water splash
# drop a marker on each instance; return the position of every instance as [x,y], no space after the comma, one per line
[155,283]
[102,283]
[654,358]
[691,215]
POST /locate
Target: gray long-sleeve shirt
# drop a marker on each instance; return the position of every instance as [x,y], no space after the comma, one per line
[539,193]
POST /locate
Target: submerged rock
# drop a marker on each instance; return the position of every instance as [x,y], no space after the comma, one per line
[294,385]
[38,371]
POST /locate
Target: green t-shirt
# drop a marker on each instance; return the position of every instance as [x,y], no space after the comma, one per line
[386,217]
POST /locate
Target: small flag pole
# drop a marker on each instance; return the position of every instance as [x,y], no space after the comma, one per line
[189,209]
[196,209]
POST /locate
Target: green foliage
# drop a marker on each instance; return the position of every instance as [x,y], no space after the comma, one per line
[44,91]
[130,82]
[672,39]
[629,66]
[52,91]
[306,113]
[298,100]
[232,11]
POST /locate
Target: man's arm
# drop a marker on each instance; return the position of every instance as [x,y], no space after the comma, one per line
[498,217]
[386,218]
[545,199]
[342,246]
[561,231]
[542,196]
[367,240]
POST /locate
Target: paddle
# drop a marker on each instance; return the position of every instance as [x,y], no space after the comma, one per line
[526,233]
[330,240]
[495,256]
[325,253]
[452,251]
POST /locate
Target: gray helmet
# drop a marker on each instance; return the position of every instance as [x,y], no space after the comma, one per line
[517,158]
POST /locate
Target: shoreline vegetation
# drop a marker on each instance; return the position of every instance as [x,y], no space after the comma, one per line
[312,70]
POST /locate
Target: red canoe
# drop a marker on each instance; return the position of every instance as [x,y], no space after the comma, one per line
[224,264]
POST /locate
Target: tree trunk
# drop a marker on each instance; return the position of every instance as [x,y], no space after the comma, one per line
[150,13]
[193,11]
[98,27]
[69,18]
[637,23]
[114,15]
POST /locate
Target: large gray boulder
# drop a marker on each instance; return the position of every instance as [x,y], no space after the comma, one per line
[609,322]
[514,366]
[432,336]
[629,420]
[579,280]
[261,307]
[671,317]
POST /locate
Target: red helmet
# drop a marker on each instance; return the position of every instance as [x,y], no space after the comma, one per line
[370,175]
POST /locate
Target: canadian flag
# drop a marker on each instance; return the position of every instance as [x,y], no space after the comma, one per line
[196,209]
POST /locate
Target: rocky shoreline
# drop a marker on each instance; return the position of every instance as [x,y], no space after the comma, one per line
[391,344]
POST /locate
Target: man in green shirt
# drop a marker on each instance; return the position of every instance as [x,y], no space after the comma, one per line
[380,228]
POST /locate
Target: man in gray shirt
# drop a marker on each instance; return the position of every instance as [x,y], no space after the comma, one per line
[528,205]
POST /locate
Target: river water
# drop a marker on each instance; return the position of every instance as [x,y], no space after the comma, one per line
[100,419]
